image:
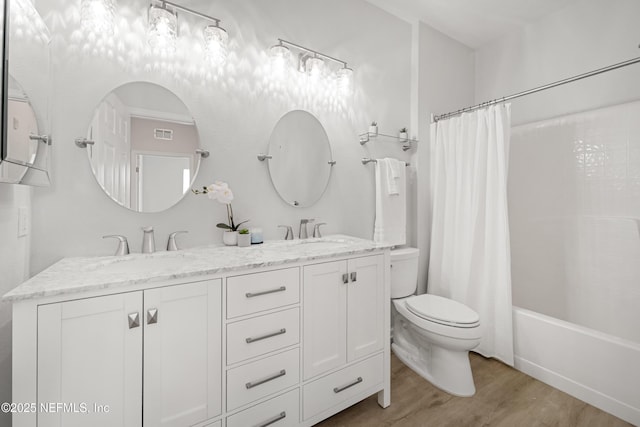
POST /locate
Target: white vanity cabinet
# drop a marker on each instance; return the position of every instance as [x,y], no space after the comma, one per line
[162,343]
[344,318]
[343,312]
[287,336]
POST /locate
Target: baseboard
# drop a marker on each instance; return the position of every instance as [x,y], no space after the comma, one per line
[579,391]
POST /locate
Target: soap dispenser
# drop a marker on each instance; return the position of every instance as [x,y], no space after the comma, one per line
[148,242]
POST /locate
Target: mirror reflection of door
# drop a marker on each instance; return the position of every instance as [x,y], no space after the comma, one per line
[161,177]
[144,154]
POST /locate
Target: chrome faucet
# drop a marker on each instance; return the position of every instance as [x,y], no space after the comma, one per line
[289,235]
[303,232]
[148,242]
[123,245]
[171,243]
[316,229]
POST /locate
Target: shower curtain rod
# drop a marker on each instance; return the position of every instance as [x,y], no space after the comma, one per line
[435,118]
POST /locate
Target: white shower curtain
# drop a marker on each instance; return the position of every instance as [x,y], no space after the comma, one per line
[470,254]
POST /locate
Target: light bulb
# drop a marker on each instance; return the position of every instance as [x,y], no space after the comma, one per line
[345,80]
[216,42]
[98,16]
[163,28]
[280,59]
[314,67]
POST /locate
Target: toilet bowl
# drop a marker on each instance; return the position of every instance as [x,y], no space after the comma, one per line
[432,335]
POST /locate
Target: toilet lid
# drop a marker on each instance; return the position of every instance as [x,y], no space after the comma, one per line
[442,310]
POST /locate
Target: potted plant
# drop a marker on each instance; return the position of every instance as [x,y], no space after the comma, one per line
[403,135]
[373,129]
[221,192]
[244,238]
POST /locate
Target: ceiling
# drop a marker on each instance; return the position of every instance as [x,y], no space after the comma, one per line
[472,22]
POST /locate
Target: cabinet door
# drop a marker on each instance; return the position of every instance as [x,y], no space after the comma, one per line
[182,354]
[325,317]
[89,354]
[365,306]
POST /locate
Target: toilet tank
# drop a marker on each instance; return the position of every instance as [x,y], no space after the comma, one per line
[404,272]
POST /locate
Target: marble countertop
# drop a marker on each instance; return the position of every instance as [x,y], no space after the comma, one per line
[72,275]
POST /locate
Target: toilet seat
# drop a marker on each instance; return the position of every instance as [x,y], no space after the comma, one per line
[443,311]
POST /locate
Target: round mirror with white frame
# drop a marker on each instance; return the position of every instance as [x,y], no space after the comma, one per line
[143,147]
[300,159]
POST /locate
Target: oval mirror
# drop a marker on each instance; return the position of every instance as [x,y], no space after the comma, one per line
[24,153]
[143,147]
[300,163]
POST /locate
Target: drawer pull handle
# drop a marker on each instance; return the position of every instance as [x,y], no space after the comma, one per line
[262,337]
[270,291]
[344,387]
[273,420]
[267,379]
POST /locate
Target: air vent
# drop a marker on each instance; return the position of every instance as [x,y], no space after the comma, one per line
[165,134]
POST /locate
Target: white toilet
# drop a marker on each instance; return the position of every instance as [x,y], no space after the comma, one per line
[432,335]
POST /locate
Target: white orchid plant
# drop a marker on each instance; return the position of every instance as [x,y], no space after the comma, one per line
[221,192]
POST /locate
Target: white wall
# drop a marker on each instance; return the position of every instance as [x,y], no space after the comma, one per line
[583,36]
[14,268]
[445,83]
[235,116]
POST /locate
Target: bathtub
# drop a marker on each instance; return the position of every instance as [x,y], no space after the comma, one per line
[592,366]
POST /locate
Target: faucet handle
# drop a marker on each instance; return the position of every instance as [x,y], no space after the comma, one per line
[289,235]
[171,243]
[123,245]
[316,229]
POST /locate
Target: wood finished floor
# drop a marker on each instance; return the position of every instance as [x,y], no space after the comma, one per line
[504,398]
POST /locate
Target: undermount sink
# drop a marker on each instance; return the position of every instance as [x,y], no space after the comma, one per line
[134,264]
[320,240]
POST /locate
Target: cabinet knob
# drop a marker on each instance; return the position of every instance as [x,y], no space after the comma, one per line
[152,316]
[354,276]
[345,278]
[134,320]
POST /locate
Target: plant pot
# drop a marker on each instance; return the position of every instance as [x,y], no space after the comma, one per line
[244,240]
[230,238]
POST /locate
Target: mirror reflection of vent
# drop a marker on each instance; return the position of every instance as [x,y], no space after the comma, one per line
[166,134]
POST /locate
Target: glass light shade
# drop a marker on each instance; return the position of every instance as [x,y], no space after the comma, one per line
[98,16]
[280,59]
[216,42]
[345,81]
[163,28]
[314,67]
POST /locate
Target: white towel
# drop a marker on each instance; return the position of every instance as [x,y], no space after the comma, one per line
[391,210]
[394,167]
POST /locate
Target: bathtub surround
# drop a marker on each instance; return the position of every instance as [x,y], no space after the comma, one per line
[470,251]
[593,366]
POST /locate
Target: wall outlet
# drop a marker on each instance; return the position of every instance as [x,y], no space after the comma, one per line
[23,221]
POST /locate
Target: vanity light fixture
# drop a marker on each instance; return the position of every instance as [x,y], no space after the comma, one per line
[314,63]
[98,16]
[163,27]
[280,59]
[163,31]
[314,66]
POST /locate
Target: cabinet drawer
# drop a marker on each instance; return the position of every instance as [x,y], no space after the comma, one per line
[263,334]
[261,378]
[252,293]
[326,392]
[280,411]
